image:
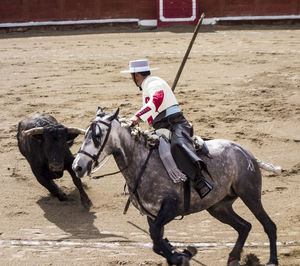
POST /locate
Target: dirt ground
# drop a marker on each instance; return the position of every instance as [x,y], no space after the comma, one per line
[240,83]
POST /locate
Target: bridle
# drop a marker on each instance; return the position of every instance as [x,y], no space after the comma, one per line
[97,143]
[95,157]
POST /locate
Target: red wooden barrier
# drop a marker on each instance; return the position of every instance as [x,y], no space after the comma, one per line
[62,10]
[225,8]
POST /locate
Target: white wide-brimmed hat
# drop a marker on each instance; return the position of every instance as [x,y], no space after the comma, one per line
[136,66]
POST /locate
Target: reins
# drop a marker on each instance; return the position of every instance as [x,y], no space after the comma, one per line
[113,173]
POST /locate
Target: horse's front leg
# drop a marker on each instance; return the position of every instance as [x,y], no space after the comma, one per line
[162,246]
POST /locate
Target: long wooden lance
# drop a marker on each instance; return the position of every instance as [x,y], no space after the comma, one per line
[188,51]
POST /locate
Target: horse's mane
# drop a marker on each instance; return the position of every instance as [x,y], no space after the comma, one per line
[139,135]
[136,131]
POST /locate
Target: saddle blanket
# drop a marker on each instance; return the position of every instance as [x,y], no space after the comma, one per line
[167,159]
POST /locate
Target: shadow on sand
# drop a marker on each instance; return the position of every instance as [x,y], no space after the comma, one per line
[71,217]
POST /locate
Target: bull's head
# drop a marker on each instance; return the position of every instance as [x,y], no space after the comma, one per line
[55,141]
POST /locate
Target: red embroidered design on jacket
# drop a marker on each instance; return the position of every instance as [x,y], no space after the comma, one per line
[158,98]
[150,120]
[147,99]
[144,111]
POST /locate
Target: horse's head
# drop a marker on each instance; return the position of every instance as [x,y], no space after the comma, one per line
[95,145]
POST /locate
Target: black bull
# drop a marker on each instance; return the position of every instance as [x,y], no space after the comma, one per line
[46,146]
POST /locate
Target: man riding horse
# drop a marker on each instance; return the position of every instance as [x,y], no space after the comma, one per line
[235,170]
[160,109]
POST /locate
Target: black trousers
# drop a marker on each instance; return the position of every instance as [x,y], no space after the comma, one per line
[181,143]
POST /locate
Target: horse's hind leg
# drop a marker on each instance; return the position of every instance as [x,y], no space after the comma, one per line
[224,213]
[257,209]
[162,246]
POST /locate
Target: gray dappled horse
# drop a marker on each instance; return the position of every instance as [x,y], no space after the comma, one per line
[234,170]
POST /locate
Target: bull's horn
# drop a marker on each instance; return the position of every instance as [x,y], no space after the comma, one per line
[75,130]
[33,131]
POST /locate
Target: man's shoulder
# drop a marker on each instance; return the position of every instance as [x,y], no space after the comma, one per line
[155,81]
[155,78]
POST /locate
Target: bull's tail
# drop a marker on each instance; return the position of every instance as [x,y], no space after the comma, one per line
[269,167]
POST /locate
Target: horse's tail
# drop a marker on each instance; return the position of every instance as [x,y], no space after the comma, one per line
[269,167]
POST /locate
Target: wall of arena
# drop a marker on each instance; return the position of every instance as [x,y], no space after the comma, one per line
[13,11]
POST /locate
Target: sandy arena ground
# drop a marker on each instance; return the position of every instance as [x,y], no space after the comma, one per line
[240,83]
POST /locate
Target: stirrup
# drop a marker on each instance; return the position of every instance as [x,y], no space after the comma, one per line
[202,187]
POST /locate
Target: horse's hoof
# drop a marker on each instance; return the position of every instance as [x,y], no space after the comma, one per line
[87,203]
[61,196]
[190,251]
[233,263]
[185,261]
[272,263]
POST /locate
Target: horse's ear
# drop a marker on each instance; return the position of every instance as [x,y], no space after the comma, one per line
[114,115]
[100,112]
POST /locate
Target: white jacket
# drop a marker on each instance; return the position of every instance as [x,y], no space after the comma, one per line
[157,97]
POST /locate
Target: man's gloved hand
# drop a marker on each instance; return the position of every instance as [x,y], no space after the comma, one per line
[135,120]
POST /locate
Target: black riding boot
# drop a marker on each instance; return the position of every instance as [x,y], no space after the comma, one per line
[199,183]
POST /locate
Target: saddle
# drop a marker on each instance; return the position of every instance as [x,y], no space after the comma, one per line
[163,136]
